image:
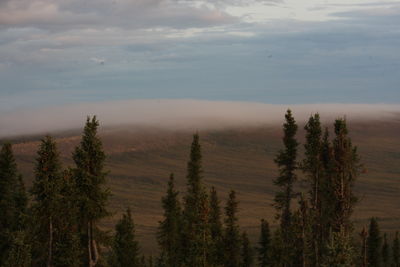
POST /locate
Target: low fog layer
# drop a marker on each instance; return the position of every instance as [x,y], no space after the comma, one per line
[181,115]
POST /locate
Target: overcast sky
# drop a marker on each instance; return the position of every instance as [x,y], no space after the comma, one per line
[273,51]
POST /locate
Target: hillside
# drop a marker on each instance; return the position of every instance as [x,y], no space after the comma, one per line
[141,159]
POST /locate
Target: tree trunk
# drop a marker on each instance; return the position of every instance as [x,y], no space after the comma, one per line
[50,254]
[92,247]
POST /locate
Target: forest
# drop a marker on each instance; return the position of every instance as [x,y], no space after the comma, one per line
[57,221]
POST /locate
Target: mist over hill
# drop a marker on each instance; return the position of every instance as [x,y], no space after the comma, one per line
[180,114]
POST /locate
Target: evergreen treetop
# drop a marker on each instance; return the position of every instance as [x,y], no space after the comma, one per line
[264,245]
[168,235]
[374,243]
[125,249]
[232,238]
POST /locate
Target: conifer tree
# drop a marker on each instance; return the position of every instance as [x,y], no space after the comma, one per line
[125,248]
[374,242]
[46,193]
[312,166]
[247,252]
[196,232]
[56,239]
[327,195]
[278,259]
[93,196]
[168,235]
[286,161]
[216,257]
[385,251]
[302,235]
[19,253]
[264,245]
[396,250]
[346,169]
[11,208]
[232,239]
[340,251]
[68,250]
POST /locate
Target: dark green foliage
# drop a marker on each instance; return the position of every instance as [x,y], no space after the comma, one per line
[216,256]
[385,251]
[90,179]
[125,249]
[312,166]
[56,240]
[196,232]
[168,236]
[247,251]
[286,161]
[327,211]
[232,239]
[287,164]
[302,236]
[278,258]
[46,191]
[345,171]
[13,201]
[264,245]
[67,251]
[340,251]
[374,243]
[19,254]
[396,250]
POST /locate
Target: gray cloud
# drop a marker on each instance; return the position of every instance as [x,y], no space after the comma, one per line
[181,114]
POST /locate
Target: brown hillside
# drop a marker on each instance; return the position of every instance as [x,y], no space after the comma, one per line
[140,161]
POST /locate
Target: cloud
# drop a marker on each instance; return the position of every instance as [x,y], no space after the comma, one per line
[64,15]
[180,115]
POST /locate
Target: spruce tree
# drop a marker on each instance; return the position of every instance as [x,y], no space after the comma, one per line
[216,257]
[327,195]
[247,254]
[302,235]
[264,245]
[340,251]
[286,161]
[10,201]
[68,250]
[277,248]
[169,238]
[396,250]
[345,171]
[312,166]
[385,251]
[46,193]
[19,253]
[93,196]
[374,242]
[196,232]
[125,249]
[232,239]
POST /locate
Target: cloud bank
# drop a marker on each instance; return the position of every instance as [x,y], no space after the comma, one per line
[180,115]
[272,51]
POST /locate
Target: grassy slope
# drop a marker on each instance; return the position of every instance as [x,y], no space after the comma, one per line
[241,159]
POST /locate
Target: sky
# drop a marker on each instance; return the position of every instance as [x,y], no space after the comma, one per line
[66,52]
